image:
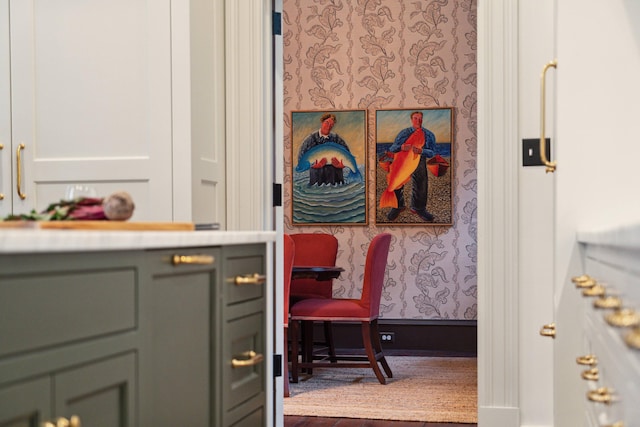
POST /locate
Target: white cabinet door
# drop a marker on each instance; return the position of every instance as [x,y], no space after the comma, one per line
[597,153]
[90,90]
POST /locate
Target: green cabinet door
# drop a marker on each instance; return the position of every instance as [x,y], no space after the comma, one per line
[178,323]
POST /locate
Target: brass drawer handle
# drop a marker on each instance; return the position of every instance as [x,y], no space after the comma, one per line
[192,259]
[633,338]
[623,318]
[608,302]
[249,358]
[590,374]
[583,281]
[250,279]
[548,330]
[616,424]
[596,290]
[600,395]
[74,421]
[589,360]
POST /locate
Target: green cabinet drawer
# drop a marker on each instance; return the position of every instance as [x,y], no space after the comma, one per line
[48,306]
[244,269]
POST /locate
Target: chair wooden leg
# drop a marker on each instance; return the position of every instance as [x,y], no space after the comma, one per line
[307,343]
[377,345]
[328,337]
[285,363]
[295,337]
[368,347]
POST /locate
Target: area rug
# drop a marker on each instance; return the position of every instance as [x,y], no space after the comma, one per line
[430,389]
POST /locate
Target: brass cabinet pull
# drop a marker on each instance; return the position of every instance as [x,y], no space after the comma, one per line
[616,424]
[548,330]
[249,358]
[632,339]
[600,395]
[19,171]
[596,290]
[588,359]
[192,259]
[590,374]
[583,281]
[623,318]
[550,166]
[74,421]
[250,279]
[608,302]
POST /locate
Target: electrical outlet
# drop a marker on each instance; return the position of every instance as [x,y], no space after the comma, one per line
[388,337]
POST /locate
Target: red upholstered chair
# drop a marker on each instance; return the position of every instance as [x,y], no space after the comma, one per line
[314,249]
[364,311]
[289,252]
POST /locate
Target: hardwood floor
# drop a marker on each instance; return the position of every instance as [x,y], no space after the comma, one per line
[300,421]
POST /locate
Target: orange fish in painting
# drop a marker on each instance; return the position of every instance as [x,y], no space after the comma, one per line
[400,170]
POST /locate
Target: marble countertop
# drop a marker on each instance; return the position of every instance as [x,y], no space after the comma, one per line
[42,241]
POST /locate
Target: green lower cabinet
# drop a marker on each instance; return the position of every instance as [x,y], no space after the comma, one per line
[101,393]
[160,338]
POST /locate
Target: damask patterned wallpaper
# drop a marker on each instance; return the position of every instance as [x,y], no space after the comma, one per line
[391,54]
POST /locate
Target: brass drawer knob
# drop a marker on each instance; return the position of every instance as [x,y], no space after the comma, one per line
[623,318]
[589,360]
[548,330]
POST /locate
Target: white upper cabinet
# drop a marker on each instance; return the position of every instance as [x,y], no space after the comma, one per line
[86,87]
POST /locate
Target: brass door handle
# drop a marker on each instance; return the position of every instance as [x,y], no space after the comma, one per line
[192,259]
[548,330]
[249,358]
[250,279]
[19,171]
[550,166]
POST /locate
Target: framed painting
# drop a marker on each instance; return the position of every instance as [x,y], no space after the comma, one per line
[329,164]
[414,152]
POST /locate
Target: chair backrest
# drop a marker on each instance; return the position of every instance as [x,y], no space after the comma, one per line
[319,249]
[289,253]
[374,269]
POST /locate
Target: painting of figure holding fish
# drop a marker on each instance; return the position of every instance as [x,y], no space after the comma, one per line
[414,166]
[329,167]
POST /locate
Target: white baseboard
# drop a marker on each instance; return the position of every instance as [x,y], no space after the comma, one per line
[494,416]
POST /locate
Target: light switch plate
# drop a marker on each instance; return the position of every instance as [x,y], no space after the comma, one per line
[531,152]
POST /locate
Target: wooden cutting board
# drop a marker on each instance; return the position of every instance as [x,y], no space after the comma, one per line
[100,225]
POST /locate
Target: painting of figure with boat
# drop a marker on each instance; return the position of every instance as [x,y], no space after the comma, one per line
[414,166]
[329,167]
